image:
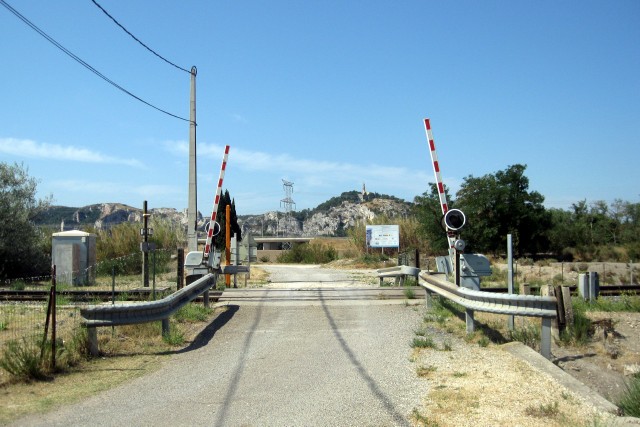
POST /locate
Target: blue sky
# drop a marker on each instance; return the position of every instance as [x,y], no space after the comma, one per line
[327,95]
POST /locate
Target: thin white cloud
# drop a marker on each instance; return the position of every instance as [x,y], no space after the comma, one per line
[29,148]
[319,174]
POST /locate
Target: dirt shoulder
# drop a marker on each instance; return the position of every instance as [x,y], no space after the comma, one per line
[606,363]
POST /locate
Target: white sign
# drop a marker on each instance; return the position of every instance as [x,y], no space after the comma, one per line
[383,236]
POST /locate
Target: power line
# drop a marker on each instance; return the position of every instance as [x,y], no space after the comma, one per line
[82,62]
[136,39]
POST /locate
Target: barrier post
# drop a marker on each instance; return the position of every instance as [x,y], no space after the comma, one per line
[469,320]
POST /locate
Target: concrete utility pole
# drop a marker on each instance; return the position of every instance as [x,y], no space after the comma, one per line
[192,210]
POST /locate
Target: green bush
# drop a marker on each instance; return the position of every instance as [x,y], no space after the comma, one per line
[311,253]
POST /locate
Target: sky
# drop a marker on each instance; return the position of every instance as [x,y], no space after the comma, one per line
[325,94]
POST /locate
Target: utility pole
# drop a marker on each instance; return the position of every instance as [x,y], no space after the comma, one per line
[192,210]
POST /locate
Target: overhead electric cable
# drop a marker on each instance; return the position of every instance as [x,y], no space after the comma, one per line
[138,40]
[82,62]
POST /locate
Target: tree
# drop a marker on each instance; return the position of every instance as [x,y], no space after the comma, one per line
[499,204]
[220,240]
[429,213]
[22,248]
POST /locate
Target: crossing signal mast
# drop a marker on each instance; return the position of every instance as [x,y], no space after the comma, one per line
[473,266]
[452,219]
[198,263]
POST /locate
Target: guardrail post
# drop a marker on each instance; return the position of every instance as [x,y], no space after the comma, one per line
[205,298]
[92,338]
[165,327]
[428,299]
[545,338]
[470,321]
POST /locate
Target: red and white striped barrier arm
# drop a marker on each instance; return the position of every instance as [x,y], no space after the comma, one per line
[436,170]
[216,201]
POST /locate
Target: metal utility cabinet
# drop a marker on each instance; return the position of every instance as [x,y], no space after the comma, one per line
[74,255]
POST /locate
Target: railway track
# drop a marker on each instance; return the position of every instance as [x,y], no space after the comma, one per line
[263,294]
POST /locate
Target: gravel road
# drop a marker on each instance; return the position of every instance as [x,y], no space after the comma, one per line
[276,364]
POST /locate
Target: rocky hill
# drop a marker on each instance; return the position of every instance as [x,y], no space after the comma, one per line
[331,218]
[104,215]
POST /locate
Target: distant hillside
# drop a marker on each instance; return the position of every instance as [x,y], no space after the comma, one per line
[103,215]
[330,218]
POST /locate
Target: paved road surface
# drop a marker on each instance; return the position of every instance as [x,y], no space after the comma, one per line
[318,363]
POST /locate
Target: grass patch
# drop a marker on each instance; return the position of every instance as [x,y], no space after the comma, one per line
[441,311]
[528,334]
[625,302]
[409,293]
[423,342]
[422,420]
[630,401]
[192,313]
[579,333]
[425,371]
[483,341]
[22,360]
[550,410]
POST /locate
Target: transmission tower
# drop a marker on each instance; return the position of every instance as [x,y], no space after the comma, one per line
[287,203]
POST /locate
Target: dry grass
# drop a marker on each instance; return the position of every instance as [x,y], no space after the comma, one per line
[129,352]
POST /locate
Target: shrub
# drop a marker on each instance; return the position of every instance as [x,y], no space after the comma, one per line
[423,342]
[409,293]
[630,401]
[580,331]
[22,360]
[312,253]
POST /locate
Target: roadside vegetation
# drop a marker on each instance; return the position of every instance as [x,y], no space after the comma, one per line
[495,205]
[126,351]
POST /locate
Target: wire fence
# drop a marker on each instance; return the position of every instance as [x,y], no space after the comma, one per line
[26,318]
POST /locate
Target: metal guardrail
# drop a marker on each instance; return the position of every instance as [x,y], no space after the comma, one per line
[509,304]
[399,273]
[142,312]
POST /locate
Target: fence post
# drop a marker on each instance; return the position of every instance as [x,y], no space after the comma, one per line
[180,279]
